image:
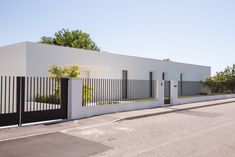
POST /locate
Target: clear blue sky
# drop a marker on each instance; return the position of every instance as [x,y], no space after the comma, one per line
[191,31]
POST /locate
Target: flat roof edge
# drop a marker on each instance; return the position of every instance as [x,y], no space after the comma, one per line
[37,43]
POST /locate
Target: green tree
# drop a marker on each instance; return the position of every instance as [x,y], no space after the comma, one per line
[222,81]
[74,38]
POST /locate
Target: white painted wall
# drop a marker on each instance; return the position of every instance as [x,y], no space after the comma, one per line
[33,59]
[74,98]
[106,109]
[84,74]
[177,100]
[160,91]
[13,60]
[173,91]
[201,99]
[107,65]
[77,111]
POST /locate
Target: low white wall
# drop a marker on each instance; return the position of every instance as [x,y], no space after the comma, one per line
[202,98]
[105,109]
[77,111]
[177,100]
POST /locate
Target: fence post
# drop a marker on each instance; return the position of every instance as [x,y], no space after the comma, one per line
[75,98]
[64,97]
[20,97]
[160,91]
[18,84]
[173,92]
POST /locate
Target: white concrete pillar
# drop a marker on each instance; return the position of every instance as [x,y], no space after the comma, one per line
[173,92]
[75,98]
[160,91]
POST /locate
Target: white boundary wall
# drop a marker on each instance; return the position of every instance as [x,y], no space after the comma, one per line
[176,100]
[77,111]
[202,98]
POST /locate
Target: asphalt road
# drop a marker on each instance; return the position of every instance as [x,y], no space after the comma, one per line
[204,132]
[50,145]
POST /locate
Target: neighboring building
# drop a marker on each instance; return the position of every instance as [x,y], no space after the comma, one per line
[33,59]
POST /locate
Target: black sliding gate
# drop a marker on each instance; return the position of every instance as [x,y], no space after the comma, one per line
[32,99]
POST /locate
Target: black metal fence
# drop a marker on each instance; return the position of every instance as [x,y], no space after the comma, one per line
[42,93]
[31,99]
[190,88]
[7,95]
[115,91]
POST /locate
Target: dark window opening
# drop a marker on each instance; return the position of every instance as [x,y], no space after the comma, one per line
[124,84]
[151,84]
[163,76]
[181,84]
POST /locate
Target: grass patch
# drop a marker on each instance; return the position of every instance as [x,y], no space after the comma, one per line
[120,102]
[191,96]
[51,99]
[107,102]
[145,99]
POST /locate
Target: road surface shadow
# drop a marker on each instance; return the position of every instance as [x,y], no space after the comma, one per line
[49,145]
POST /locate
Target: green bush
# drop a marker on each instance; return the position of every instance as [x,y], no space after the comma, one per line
[86,93]
[51,99]
[222,82]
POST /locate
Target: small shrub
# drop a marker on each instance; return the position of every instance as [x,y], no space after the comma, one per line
[86,93]
[51,99]
[107,102]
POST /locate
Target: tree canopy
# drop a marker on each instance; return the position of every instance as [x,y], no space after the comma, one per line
[223,81]
[74,38]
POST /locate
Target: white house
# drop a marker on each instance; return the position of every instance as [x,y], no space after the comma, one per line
[33,59]
[127,79]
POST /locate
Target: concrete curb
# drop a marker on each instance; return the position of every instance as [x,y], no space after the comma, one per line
[170,111]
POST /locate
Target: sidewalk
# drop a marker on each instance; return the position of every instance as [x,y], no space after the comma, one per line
[21,132]
[170,108]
